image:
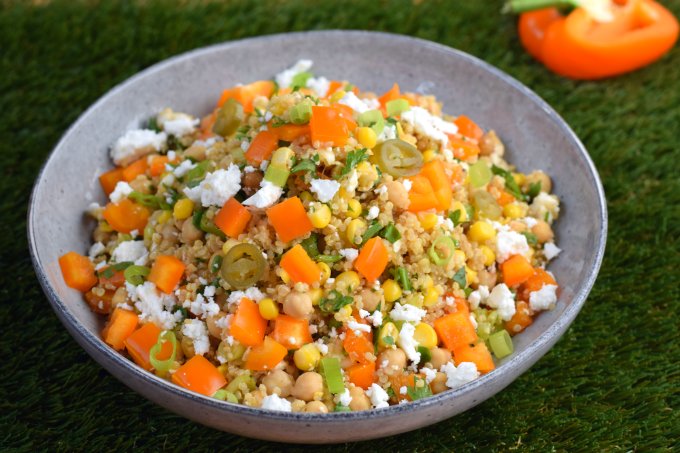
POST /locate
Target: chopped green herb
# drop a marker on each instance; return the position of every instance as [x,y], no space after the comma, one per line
[416,393]
[153,125]
[185,312]
[122,265]
[106,273]
[216,264]
[470,210]
[390,233]
[461,277]
[390,392]
[402,279]
[341,408]
[310,245]
[200,260]
[283,144]
[334,323]
[193,184]
[304,165]
[334,302]
[455,217]
[353,159]
[510,185]
[467,292]
[425,355]
[196,220]
[315,158]
[531,237]
[371,231]
[534,190]
[389,340]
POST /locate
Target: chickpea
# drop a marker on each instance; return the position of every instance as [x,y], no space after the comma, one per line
[517,227]
[170,234]
[298,305]
[439,357]
[543,231]
[490,144]
[196,151]
[486,278]
[360,402]
[370,299]
[254,399]
[119,297]
[397,194]
[278,380]
[396,361]
[438,384]
[141,184]
[213,328]
[535,177]
[315,407]
[251,182]
[307,385]
[190,233]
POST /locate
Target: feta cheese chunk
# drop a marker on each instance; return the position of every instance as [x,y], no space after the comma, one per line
[388,133]
[154,305]
[325,189]
[373,212]
[121,192]
[407,312]
[202,306]
[358,327]
[217,187]
[429,373]
[530,222]
[275,403]
[266,196]
[509,243]
[544,298]
[96,249]
[198,331]
[545,204]
[550,250]
[180,126]
[285,78]
[349,254]
[345,398]
[503,301]
[476,297]
[137,143]
[456,377]
[407,343]
[353,101]
[376,318]
[183,168]
[253,294]
[429,125]
[320,86]
[134,251]
[378,396]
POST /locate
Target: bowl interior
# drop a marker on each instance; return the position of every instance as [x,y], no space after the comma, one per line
[534,135]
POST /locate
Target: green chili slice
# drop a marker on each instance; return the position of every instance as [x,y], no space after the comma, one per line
[398,158]
[243,266]
[163,365]
[448,241]
[487,206]
[229,118]
[134,274]
[209,226]
[223,395]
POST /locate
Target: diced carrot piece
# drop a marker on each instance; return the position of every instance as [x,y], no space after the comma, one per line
[117,280]
[290,132]
[372,260]
[357,347]
[462,149]
[135,169]
[78,271]
[262,147]
[139,346]
[333,87]
[347,115]
[504,198]
[468,128]
[232,218]
[199,375]
[328,125]
[166,273]
[300,266]
[391,95]
[478,354]
[362,375]
[516,269]
[121,325]
[110,179]
[100,304]
[266,355]
[435,172]
[455,330]
[539,279]
[397,382]
[126,216]
[226,94]
[246,94]
[520,320]
[248,326]
[421,195]
[290,332]
[289,219]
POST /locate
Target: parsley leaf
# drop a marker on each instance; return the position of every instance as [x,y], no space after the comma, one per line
[461,277]
[390,392]
[510,185]
[106,273]
[417,393]
[455,217]
[467,291]
[342,408]
[185,312]
[122,265]
[153,125]
[389,340]
[304,165]
[310,245]
[531,237]
[390,233]
[425,355]
[353,159]
[470,211]
[371,231]
[334,302]
[534,190]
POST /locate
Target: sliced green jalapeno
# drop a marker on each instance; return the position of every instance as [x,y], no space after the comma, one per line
[229,118]
[243,266]
[398,158]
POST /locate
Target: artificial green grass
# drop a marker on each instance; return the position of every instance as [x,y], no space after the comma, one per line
[610,384]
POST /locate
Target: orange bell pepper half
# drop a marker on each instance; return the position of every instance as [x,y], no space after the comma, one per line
[121,325]
[78,271]
[199,375]
[435,172]
[290,132]
[300,266]
[289,219]
[232,218]
[110,179]
[139,345]
[135,169]
[516,269]
[266,356]
[468,128]
[478,354]
[455,330]
[372,260]
[262,147]
[248,326]
[362,375]
[328,125]
[421,195]
[290,332]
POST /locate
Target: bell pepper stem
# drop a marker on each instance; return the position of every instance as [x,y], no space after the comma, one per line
[522,6]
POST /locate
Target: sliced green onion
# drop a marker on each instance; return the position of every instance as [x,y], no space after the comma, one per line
[483,330]
[222,394]
[372,119]
[402,277]
[301,113]
[148,201]
[216,263]
[425,355]
[328,258]
[122,265]
[300,80]
[480,174]
[390,233]
[163,365]
[371,231]
[209,226]
[501,343]
[448,241]
[396,107]
[276,176]
[196,220]
[134,274]
[331,371]
[239,155]
[342,408]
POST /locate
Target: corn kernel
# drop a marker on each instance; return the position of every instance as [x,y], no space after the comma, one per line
[350,279]
[282,158]
[489,255]
[165,216]
[458,206]
[428,156]
[316,295]
[335,97]
[512,210]
[105,227]
[325,272]
[388,330]
[183,208]
[431,297]
[229,244]
[400,129]
[355,228]
[345,311]
[427,220]
[268,308]
[307,357]
[460,255]
[392,290]
[306,196]
[520,178]
[284,276]
[470,274]
[353,208]
[321,216]
[367,174]
[344,193]
[425,335]
[366,136]
[481,232]
[224,370]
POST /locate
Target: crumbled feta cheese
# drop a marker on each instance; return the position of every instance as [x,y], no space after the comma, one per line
[101,265]
[353,101]
[275,403]
[172,155]
[245,144]
[124,306]
[352,180]
[376,318]
[268,116]
[121,192]
[131,251]
[478,296]
[381,190]
[224,321]
[407,343]
[266,196]
[203,281]
[503,301]
[550,250]
[345,398]
[252,293]
[363,313]
[209,142]
[96,249]
[200,306]
[169,179]
[429,125]
[209,291]
[330,280]
[325,189]
[509,243]
[373,212]
[544,298]
[134,141]
[323,348]
[388,133]
[198,332]
[333,333]
[498,226]
[429,373]
[441,220]
[407,184]
[264,165]
[530,222]
[313,329]
[134,234]
[249,169]
[473,321]
[217,187]
[396,246]
[349,254]
[320,86]
[153,304]
[378,396]
[456,377]
[180,126]
[285,77]
[358,328]
[407,312]
[545,203]
[263,128]
[372,104]
[449,301]
[403,390]
[183,168]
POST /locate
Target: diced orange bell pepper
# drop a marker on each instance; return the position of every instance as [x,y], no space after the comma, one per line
[372,260]
[391,95]
[362,375]
[462,149]
[266,355]
[358,347]
[199,375]
[421,195]
[455,330]
[139,346]
[477,353]
[333,87]
[461,304]
[246,94]
[328,125]
[504,198]
[520,320]
[126,216]
[206,126]
[158,164]
[226,94]
[135,169]
[435,172]
[232,218]
[100,304]
[248,326]
[262,147]
[289,219]
[121,325]
[290,332]
[539,279]
[516,269]
[468,128]
[78,271]
[300,266]
[397,382]
[117,280]
[166,273]
[110,179]
[290,132]
[347,115]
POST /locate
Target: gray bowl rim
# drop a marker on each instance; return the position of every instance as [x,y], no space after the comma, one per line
[525,356]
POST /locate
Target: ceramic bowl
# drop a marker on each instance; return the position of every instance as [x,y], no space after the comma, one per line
[534,135]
